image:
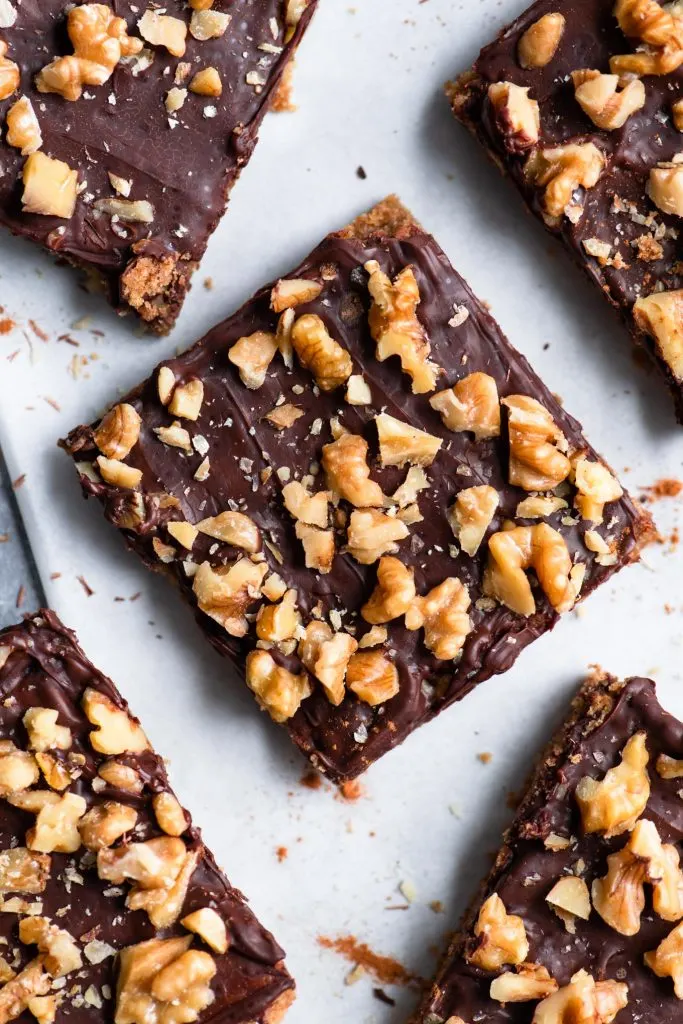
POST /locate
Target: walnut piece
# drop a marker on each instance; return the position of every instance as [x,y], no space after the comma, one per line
[209,926]
[209,24]
[667,959]
[171,818]
[665,187]
[175,436]
[161,870]
[158,984]
[471,404]
[279,622]
[538,547]
[118,432]
[599,97]
[569,898]
[372,534]
[348,473]
[661,316]
[284,416]
[394,593]
[563,169]
[31,982]
[252,355]
[207,82]
[120,776]
[10,76]
[225,594]
[442,613]
[400,443]
[118,474]
[395,326]
[279,692]
[185,533]
[537,462]
[18,769]
[595,486]
[291,293]
[527,982]
[669,767]
[328,361]
[50,186]
[233,528]
[23,127]
[358,390]
[584,1000]
[319,547]
[55,772]
[537,47]
[23,870]
[677,114]
[117,732]
[502,937]
[326,656]
[517,116]
[164,30]
[56,827]
[103,824]
[61,955]
[614,804]
[373,677]
[306,507]
[187,400]
[471,516]
[43,731]
[661,29]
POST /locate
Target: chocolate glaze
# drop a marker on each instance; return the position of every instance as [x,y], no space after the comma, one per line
[186,172]
[591,37]
[47,668]
[526,871]
[232,423]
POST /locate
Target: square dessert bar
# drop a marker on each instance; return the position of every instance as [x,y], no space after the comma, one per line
[369,498]
[112,907]
[581,916]
[126,126]
[581,103]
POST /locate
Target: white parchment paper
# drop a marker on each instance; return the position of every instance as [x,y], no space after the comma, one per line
[368,84]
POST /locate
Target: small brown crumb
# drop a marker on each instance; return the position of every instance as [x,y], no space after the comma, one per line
[86,586]
[351,791]
[667,487]
[485,757]
[311,780]
[19,482]
[437,907]
[55,575]
[4,537]
[38,331]
[208,283]
[381,995]
[648,248]
[21,594]
[361,172]
[385,969]
[6,325]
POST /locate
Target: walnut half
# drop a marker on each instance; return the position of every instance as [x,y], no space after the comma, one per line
[538,547]
[598,96]
[614,804]
[584,1000]
[563,169]
[471,404]
[279,692]
[443,615]
[161,981]
[537,462]
[502,937]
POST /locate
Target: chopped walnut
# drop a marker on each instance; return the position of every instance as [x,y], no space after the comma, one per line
[400,443]
[184,533]
[585,1000]
[373,677]
[207,82]
[292,293]
[305,507]
[358,390]
[661,316]
[661,29]
[44,1008]
[56,827]
[318,545]
[119,432]
[677,114]
[538,547]
[669,767]
[276,623]
[665,188]
[209,24]
[537,462]
[103,824]
[563,169]
[116,732]
[171,818]
[569,898]
[120,776]
[395,326]
[539,506]
[614,804]
[279,692]
[187,400]
[252,355]
[209,926]
[18,769]
[471,516]
[32,981]
[598,96]
[502,937]
[394,593]
[100,40]
[326,656]
[118,474]
[595,487]
[471,404]
[528,982]
[372,534]
[537,47]
[443,615]
[163,30]
[10,76]
[23,127]
[517,116]
[24,870]
[161,868]
[348,473]
[55,772]
[159,984]
[225,594]
[50,186]
[165,384]
[175,436]
[43,731]
[135,211]
[233,528]
[61,955]
[284,416]
[667,959]
[328,361]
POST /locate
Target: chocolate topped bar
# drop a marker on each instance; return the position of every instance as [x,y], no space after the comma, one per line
[112,907]
[581,103]
[126,126]
[369,498]
[581,917]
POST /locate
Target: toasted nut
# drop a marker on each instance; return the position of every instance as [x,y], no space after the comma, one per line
[585,1000]
[162,869]
[165,384]
[50,187]
[18,769]
[207,82]
[209,926]
[209,24]
[163,30]
[326,656]
[536,443]
[669,767]
[358,390]
[226,593]
[502,937]
[539,506]
[10,76]
[193,968]
[187,400]
[318,545]
[279,692]
[538,547]
[166,553]
[293,14]
[55,772]
[665,187]
[598,96]
[5,652]
[32,981]
[175,436]
[233,528]
[538,45]
[23,127]
[400,443]
[23,870]
[60,952]
[305,507]
[138,211]
[528,982]
[33,800]
[120,776]
[44,1008]
[677,114]
[171,818]
[614,804]
[395,326]
[661,28]
[517,116]
[141,967]
[105,823]
[348,474]
[289,294]
[471,404]
[274,587]
[569,898]
[394,593]
[184,533]
[667,959]
[117,732]
[283,337]
[661,316]
[43,731]
[100,40]
[443,615]
[56,827]
[373,677]
[596,487]
[118,474]
[472,515]
[252,356]
[407,493]
[279,622]
[328,361]
[372,534]
[563,169]
[284,416]
[119,432]
[374,637]
[175,99]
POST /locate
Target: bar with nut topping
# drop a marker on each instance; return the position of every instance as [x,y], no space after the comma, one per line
[123,127]
[581,918]
[581,103]
[112,907]
[366,494]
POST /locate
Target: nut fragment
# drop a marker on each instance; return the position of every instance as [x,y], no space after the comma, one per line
[660,28]
[161,868]
[23,127]
[358,390]
[170,816]
[502,937]
[348,474]
[185,533]
[143,983]
[669,767]
[225,594]
[279,622]
[117,732]
[538,547]
[472,515]
[50,186]
[43,731]
[209,926]
[61,955]
[23,870]
[10,76]
[661,316]
[252,355]
[175,436]
[517,116]
[279,692]
[584,1000]
[373,677]
[304,506]
[284,416]
[569,898]
[536,442]
[667,959]
[120,776]
[163,30]
[538,45]
[527,982]
[400,443]
[563,169]
[18,769]
[233,528]
[395,326]
[596,487]
[207,82]
[118,432]
[598,96]
[443,615]
[471,404]
[326,655]
[209,24]
[318,545]
[118,474]
[677,114]
[32,981]
[55,772]
[138,211]
[56,827]
[290,293]
[394,593]
[372,534]
[165,384]
[328,361]
[187,400]
[105,823]
[665,187]
[614,804]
